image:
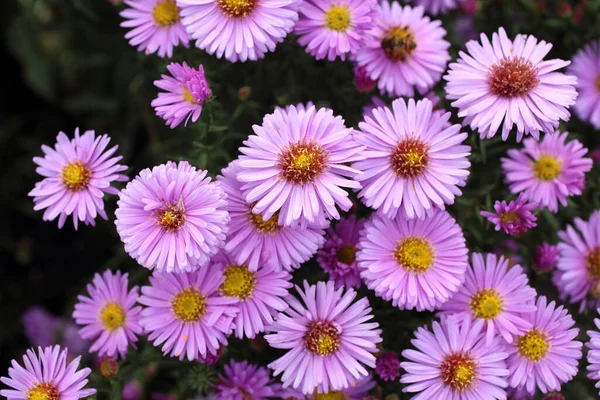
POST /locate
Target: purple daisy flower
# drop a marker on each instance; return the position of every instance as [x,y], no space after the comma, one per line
[387,366]
[186,313]
[435,7]
[329,339]
[46,375]
[252,238]
[496,294]
[414,159]
[546,355]
[577,274]
[242,381]
[546,257]
[76,173]
[549,171]
[41,327]
[295,163]
[155,26]
[414,263]
[513,218]
[586,67]
[404,50]
[454,361]
[509,81]
[240,30]
[172,218]
[184,94]
[593,354]
[334,28]
[338,255]
[259,294]
[132,391]
[363,83]
[110,315]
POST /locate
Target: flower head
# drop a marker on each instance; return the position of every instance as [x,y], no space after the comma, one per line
[546,257]
[454,361]
[241,381]
[334,28]
[172,218]
[513,218]
[363,83]
[508,83]
[495,293]
[414,263]
[546,355]
[387,366]
[549,171]
[41,327]
[240,30]
[46,375]
[185,91]
[414,160]
[435,7]
[404,50]
[187,313]
[77,173]
[295,164]
[328,337]
[586,67]
[155,26]
[254,241]
[338,255]
[110,315]
[593,354]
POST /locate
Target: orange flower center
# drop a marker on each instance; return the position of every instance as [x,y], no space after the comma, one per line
[410,158]
[399,43]
[511,77]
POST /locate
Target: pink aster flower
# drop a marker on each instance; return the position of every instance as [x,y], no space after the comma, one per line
[593,354]
[586,67]
[414,263]
[240,30]
[513,218]
[46,375]
[404,50]
[334,28]
[414,160]
[435,7]
[577,274]
[77,173]
[41,327]
[546,257]
[338,255]
[172,218]
[387,366]
[184,94]
[186,312]
[155,26]
[363,83]
[252,238]
[454,361]
[109,316]
[295,164]
[328,337]
[260,294]
[547,354]
[495,293]
[549,171]
[506,83]
[241,381]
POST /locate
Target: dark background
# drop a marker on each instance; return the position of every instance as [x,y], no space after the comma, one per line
[65,64]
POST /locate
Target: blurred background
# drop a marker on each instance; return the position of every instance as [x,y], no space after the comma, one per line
[67,65]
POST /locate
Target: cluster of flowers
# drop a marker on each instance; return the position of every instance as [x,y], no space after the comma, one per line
[223,252]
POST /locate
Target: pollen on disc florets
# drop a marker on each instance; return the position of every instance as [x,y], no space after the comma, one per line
[322,338]
[189,305]
[112,316]
[166,13]
[76,176]
[410,158]
[459,370]
[547,168]
[486,304]
[338,18]
[592,263]
[172,217]
[43,391]
[237,8]
[302,162]
[399,43]
[533,346]
[414,254]
[239,282]
[511,77]
[269,226]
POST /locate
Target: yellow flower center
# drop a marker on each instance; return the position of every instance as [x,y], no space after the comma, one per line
[76,176]
[172,218]
[189,305]
[399,43]
[330,396]
[547,168]
[346,254]
[322,338]
[533,346]
[239,282]
[592,263]
[302,162]
[43,391]
[237,8]
[510,216]
[414,254]
[268,226]
[458,371]
[187,96]
[410,158]
[338,18]
[486,304]
[166,13]
[112,316]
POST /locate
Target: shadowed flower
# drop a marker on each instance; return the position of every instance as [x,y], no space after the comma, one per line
[363,83]
[593,354]
[242,381]
[435,7]
[546,257]
[513,218]
[387,366]
[586,67]
[41,327]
